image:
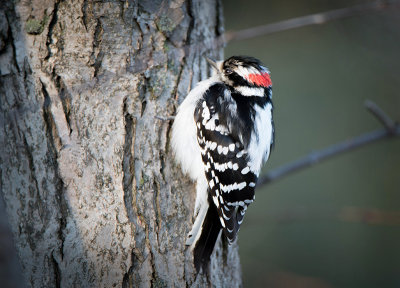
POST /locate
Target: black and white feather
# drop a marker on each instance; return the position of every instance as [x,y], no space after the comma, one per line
[221,136]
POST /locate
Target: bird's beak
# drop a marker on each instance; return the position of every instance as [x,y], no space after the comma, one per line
[212,63]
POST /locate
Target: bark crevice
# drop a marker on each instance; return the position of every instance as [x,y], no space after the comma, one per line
[56,272]
[128,280]
[51,130]
[97,52]
[189,6]
[52,24]
[33,178]
[85,14]
[65,98]
[11,40]
[128,163]
[156,204]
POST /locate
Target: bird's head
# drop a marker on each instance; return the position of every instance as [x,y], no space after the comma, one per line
[246,75]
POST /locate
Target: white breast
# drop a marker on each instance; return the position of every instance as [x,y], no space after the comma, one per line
[261,139]
[184,132]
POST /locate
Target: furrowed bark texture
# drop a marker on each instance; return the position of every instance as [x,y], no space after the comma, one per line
[91,191]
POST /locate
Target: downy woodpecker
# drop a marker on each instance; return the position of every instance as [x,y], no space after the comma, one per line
[221,136]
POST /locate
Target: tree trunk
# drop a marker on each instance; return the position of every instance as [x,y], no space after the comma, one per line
[91,190]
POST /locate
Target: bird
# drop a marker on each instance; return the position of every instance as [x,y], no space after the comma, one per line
[222,134]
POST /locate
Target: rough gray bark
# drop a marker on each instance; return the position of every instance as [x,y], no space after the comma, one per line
[90,188]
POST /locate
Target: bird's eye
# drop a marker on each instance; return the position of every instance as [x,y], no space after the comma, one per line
[228,71]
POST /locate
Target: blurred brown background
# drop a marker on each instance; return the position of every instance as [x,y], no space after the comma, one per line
[338,223]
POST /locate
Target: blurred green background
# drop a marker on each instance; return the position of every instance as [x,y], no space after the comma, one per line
[336,224]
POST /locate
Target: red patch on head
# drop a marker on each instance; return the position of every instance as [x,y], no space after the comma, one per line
[260,79]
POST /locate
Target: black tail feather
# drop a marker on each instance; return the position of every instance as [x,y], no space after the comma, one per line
[205,245]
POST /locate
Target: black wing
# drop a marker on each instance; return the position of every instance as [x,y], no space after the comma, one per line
[230,180]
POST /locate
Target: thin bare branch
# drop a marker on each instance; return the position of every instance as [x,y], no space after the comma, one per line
[391,130]
[386,121]
[371,216]
[313,19]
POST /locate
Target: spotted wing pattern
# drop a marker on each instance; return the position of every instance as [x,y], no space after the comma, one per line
[231,183]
